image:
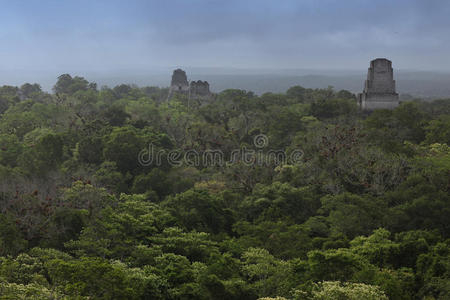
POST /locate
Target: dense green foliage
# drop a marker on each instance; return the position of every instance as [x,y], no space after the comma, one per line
[364,213]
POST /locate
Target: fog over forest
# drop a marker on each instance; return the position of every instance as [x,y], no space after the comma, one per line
[418,84]
[225,150]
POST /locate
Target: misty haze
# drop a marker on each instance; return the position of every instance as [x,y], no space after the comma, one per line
[204,149]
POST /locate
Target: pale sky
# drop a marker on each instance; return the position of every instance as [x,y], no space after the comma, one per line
[327,34]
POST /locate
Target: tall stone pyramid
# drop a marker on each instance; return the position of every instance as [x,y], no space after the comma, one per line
[379,89]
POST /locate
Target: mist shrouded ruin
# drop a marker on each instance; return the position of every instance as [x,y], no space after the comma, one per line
[254,150]
[415,84]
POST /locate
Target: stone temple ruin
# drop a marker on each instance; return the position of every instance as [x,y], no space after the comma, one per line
[180,84]
[179,81]
[200,88]
[379,89]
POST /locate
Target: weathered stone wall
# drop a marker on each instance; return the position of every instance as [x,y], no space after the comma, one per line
[379,88]
[380,101]
[200,88]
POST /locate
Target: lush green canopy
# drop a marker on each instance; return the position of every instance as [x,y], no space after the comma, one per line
[362,212]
